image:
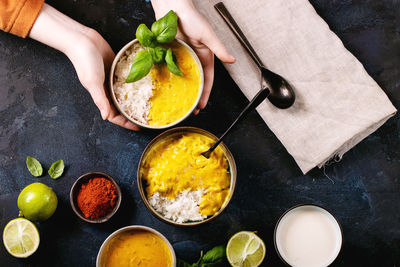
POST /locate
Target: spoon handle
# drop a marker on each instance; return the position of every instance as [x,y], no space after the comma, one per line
[257,99]
[220,7]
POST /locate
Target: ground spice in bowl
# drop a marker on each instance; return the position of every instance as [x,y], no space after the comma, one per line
[97,197]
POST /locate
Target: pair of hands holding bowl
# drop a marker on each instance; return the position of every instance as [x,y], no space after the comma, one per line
[92,56]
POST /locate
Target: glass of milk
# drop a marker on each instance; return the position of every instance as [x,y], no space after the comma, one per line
[308,236]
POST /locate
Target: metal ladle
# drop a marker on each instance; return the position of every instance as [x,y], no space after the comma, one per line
[279,92]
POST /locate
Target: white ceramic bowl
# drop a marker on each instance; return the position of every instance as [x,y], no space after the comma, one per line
[104,246]
[116,104]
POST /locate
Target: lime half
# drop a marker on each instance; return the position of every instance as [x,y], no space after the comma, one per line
[21,238]
[245,249]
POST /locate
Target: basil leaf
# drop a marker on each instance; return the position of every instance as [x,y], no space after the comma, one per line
[215,255]
[34,166]
[145,36]
[56,169]
[158,54]
[142,64]
[171,63]
[166,28]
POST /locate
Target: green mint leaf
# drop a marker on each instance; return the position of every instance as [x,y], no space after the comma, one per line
[171,63]
[56,169]
[142,64]
[215,255]
[34,166]
[158,54]
[145,36]
[165,28]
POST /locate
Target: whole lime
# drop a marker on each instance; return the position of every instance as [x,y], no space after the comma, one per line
[37,202]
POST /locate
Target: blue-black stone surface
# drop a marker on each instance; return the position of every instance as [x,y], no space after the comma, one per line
[47,114]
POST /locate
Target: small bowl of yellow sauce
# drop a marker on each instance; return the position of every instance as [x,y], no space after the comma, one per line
[180,186]
[161,99]
[136,245]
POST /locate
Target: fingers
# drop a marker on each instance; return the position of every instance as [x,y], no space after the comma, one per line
[120,120]
[107,110]
[207,61]
[211,40]
[100,99]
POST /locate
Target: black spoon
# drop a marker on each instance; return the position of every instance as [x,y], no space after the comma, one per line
[280,94]
[260,96]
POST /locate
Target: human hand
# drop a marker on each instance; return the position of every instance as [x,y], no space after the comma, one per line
[92,58]
[198,33]
[89,53]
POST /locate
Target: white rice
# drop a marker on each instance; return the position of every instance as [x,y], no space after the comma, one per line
[133,98]
[184,208]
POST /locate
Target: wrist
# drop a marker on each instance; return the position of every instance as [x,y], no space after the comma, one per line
[57,30]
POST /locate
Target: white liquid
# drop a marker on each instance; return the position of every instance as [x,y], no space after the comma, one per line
[308,236]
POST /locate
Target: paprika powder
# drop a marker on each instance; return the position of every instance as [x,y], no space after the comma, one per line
[97,197]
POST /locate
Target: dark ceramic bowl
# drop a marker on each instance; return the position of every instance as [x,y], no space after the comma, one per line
[175,132]
[74,193]
[334,219]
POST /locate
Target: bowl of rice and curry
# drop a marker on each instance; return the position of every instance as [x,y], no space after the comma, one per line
[179,185]
[161,99]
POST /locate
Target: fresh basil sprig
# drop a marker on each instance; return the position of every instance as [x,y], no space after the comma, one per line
[213,258]
[158,54]
[162,31]
[171,63]
[215,255]
[142,64]
[34,166]
[166,28]
[145,36]
[56,169]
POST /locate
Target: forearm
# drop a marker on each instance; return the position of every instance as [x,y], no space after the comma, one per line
[57,30]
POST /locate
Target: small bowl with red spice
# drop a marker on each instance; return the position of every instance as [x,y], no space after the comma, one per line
[95,197]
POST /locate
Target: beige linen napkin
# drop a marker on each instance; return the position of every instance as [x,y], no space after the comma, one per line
[338,104]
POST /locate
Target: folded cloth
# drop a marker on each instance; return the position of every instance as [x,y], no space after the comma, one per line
[337,103]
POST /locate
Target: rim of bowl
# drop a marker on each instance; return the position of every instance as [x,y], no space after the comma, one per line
[136,227]
[302,205]
[183,129]
[79,181]
[116,104]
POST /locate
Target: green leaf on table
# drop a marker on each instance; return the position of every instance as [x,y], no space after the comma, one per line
[158,54]
[56,169]
[142,64]
[214,256]
[145,36]
[34,166]
[171,63]
[166,27]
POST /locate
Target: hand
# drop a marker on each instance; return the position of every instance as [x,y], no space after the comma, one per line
[198,33]
[89,53]
[92,58]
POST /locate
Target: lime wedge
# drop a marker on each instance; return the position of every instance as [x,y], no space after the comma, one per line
[245,249]
[21,238]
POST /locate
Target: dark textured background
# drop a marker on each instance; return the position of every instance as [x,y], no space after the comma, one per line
[45,113]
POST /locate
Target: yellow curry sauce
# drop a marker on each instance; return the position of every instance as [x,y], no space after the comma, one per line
[176,164]
[173,95]
[137,248]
